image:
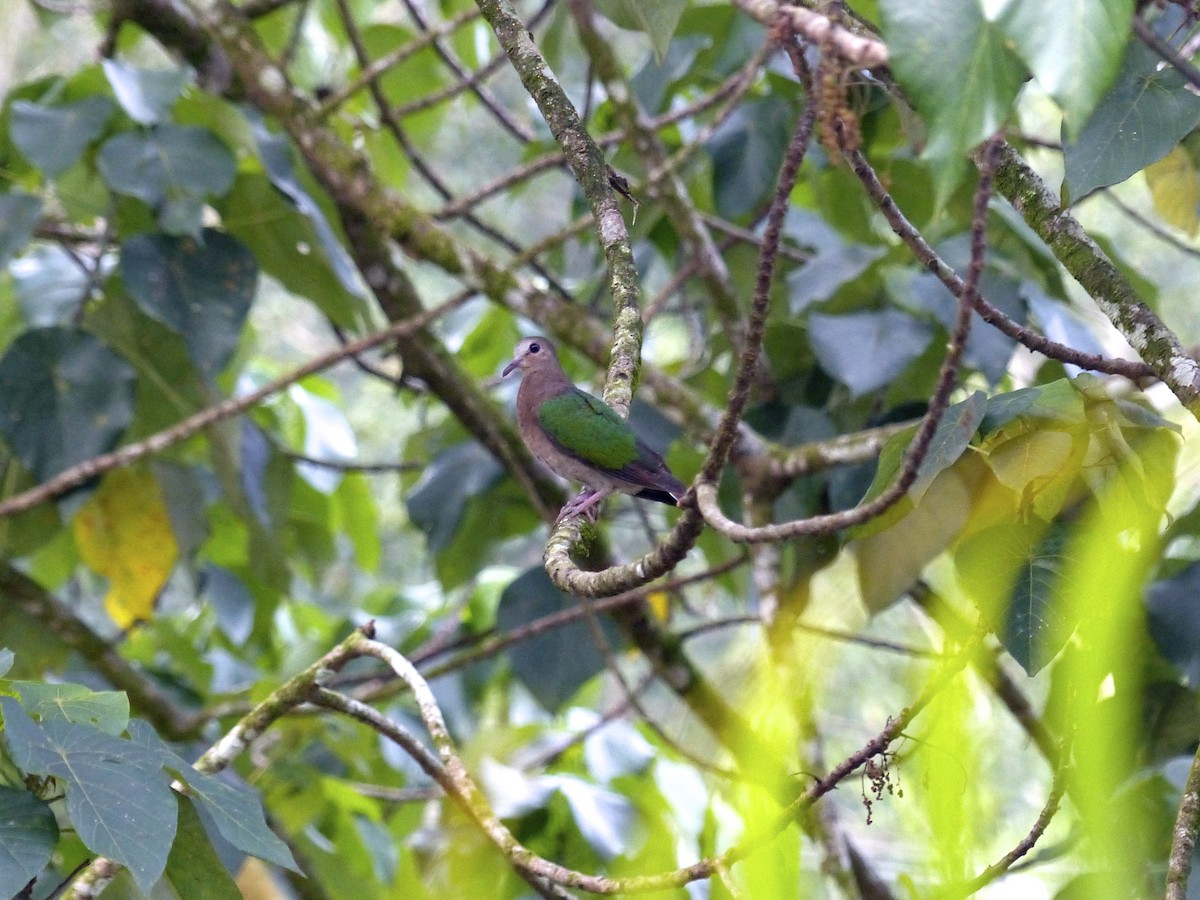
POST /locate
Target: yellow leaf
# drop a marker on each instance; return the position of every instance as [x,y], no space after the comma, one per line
[1175,188]
[660,605]
[124,534]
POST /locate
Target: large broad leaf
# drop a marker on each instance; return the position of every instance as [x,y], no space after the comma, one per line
[657,20]
[437,502]
[19,214]
[553,665]
[866,351]
[124,533]
[1011,572]
[236,813]
[275,152]
[282,238]
[1173,608]
[201,289]
[1175,189]
[119,798]
[193,869]
[50,285]
[960,72]
[106,710]
[1149,110]
[147,95]
[54,137]
[169,162]
[1075,53]
[28,836]
[746,152]
[64,398]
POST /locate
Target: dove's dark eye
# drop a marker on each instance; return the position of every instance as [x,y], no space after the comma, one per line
[535,348]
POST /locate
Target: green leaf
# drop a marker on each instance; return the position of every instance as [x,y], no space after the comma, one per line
[958,70]
[295,249]
[19,214]
[868,350]
[28,836]
[169,162]
[1074,54]
[1148,111]
[147,95]
[64,398]
[118,797]
[657,19]
[49,285]
[236,812]
[201,289]
[6,661]
[553,665]
[105,710]
[1011,572]
[1175,189]
[358,517]
[54,137]
[1173,619]
[437,502]
[746,152]
[275,153]
[193,869]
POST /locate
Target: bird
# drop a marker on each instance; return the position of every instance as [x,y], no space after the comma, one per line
[581,438]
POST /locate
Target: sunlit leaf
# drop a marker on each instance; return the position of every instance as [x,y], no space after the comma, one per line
[146,95]
[123,532]
[106,710]
[968,94]
[1074,54]
[1175,189]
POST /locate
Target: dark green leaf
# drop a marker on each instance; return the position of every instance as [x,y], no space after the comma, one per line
[19,214]
[236,812]
[169,162]
[746,152]
[201,289]
[193,869]
[275,152]
[118,797]
[28,836]
[958,70]
[437,502]
[555,664]
[147,95]
[58,702]
[1011,572]
[64,398]
[1075,54]
[866,351]
[1173,611]
[1149,110]
[54,137]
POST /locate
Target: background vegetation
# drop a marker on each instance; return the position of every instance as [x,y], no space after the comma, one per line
[901,289]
